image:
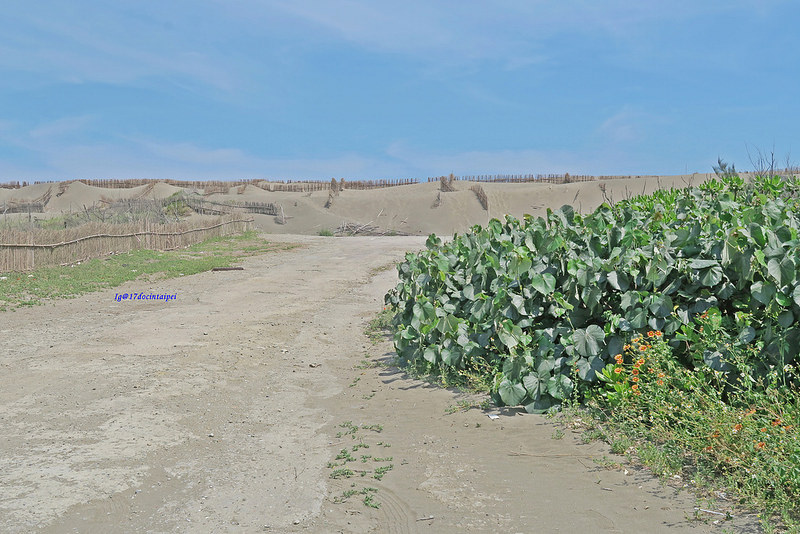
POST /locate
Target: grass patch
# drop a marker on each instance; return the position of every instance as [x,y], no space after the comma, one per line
[326,233]
[466,405]
[340,470]
[51,283]
[380,327]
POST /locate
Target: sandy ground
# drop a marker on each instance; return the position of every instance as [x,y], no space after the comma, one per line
[219,412]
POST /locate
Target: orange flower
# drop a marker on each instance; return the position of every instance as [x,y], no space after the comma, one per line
[787,427]
[660,375]
[635,371]
[643,348]
[618,370]
[660,382]
[626,347]
[709,448]
[618,358]
[635,387]
[760,445]
[651,334]
[637,392]
[640,361]
[658,333]
[764,429]
[737,427]
[635,378]
[751,411]
[776,422]
[715,434]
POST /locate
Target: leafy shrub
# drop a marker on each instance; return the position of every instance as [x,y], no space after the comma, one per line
[544,304]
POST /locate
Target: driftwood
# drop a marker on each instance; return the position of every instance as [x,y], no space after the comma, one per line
[352,229]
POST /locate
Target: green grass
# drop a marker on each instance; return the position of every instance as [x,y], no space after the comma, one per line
[380,328]
[51,283]
[340,470]
[326,233]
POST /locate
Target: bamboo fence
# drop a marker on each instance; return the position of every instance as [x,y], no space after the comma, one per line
[523,178]
[26,250]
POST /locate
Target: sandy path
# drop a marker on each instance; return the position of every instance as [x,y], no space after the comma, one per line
[218,412]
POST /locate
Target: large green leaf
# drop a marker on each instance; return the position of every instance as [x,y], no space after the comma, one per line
[544,283]
[589,342]
[763,292]
[512,393]
[711,276]
[588,367]
[618,280]
[532,384]
[559,387]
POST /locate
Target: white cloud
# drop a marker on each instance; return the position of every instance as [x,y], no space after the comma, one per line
[60,127]
[74,44]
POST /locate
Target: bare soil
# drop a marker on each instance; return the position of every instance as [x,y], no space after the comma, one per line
[220,411]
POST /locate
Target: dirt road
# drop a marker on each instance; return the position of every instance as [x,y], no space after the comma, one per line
[221,410]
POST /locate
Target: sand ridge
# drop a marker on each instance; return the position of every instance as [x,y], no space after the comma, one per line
[417,209]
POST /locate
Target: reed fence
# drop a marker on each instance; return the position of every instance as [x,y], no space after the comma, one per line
[521,178]
[27,250]
[210,207]
[21,207]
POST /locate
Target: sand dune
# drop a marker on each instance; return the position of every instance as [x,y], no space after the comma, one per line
[416,209]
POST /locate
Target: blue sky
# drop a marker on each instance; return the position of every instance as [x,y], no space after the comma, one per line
[372,89]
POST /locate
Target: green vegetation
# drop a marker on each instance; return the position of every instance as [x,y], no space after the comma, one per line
[340,470]
[732,430]
[673,316]
[27,289]
[326,232]
[380,327]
